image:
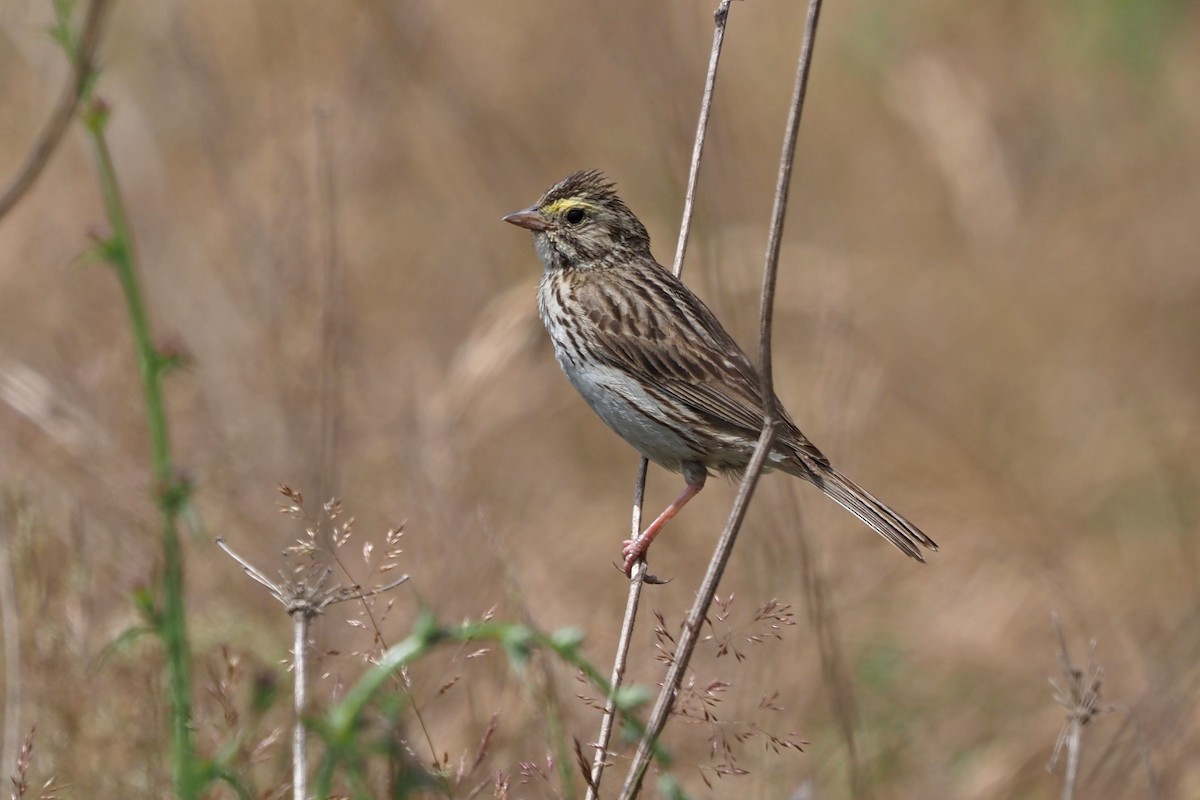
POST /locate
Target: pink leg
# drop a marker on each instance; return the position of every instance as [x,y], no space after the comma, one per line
[633,549]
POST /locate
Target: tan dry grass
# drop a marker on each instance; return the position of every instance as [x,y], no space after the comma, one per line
[1029,395]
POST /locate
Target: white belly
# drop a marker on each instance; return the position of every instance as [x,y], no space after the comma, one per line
[617,400]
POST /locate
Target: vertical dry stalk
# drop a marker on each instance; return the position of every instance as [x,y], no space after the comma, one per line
[1079,693]
[839,686]
[720,17]
[708,588]
[638,576]
[304,598]
[621,658]
[300,622]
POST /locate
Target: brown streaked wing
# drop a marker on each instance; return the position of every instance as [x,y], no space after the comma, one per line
[656,343]
[647,323]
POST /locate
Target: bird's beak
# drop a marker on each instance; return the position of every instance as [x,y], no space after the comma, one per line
[529,218]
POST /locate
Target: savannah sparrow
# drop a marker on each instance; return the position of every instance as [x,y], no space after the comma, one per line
[656,365]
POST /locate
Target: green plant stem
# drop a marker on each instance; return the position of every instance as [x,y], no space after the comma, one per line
[120,254]
[171,493]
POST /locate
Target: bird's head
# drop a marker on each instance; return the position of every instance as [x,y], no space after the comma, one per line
[581,223]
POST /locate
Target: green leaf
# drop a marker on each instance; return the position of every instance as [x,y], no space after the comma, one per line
[630,697]
[669,788]
[123,641]
[567,638]
[518,641]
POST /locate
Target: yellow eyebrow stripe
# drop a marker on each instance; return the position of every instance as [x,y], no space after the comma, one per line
[561,206]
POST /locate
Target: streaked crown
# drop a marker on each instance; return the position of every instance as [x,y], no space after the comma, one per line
[590,226]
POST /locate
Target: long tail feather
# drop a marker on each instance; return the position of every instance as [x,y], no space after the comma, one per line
[883,520]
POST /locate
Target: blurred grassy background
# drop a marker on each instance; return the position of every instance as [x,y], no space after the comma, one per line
[987,313]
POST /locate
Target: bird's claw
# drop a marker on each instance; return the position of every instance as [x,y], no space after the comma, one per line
[632,550]
[653,580]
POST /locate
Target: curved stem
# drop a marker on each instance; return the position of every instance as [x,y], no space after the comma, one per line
[83,72]
[637,577]
[695,618]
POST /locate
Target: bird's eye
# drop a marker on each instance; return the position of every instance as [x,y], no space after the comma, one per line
[574,216]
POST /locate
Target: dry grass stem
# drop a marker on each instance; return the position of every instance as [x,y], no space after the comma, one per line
[1078,691]
[20,776]
[698,701]
[305,594]
[823,623]
[82,73]
[983,313]
[639,576]
[708,588]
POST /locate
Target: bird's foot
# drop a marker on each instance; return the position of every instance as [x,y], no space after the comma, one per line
[631,551]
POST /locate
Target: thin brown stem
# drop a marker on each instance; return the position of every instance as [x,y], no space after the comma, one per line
[638,575]
[251,570]
[775,238]
[721,15]
[1143,746]
[1078,691]
[304,598]
[301,619]
[695,618]
[600,759]
[82,73]
[839,686]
